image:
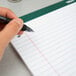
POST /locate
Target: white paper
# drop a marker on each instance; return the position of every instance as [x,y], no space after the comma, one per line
[51,49]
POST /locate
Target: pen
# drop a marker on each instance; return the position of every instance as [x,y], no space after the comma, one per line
[5,20]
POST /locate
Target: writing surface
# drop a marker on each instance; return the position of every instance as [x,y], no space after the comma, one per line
[51,48]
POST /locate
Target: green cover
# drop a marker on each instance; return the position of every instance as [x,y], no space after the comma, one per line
[46,10]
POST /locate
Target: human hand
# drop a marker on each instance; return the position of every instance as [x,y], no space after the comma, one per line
[7,32]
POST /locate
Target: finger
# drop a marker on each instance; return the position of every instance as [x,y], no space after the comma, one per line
[7,13]
[12,29]
[20,32]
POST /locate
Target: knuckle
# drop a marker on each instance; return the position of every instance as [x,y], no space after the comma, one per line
[8,10]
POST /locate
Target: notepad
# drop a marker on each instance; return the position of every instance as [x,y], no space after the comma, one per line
[51,49]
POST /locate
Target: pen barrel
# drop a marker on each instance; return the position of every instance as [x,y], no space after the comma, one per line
[4,20]
[23,28]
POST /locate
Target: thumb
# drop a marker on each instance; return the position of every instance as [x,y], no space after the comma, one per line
[12,28]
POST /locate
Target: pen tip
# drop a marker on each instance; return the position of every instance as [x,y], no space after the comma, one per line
[26,28]
[29,29]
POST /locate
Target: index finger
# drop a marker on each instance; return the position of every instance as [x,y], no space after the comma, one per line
[7,13]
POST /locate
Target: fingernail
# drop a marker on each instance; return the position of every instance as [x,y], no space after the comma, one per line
[20,33]
[19,22]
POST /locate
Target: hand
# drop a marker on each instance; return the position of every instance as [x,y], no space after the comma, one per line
[7,32]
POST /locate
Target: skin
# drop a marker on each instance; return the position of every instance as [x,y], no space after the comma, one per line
[7,32]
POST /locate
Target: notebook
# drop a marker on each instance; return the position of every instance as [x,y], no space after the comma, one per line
[51,49]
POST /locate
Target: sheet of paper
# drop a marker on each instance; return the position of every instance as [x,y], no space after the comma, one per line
[51,49]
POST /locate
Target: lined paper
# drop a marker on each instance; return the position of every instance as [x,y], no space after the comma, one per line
[51,49]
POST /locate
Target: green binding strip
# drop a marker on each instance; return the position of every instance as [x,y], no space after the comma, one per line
[45,10]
